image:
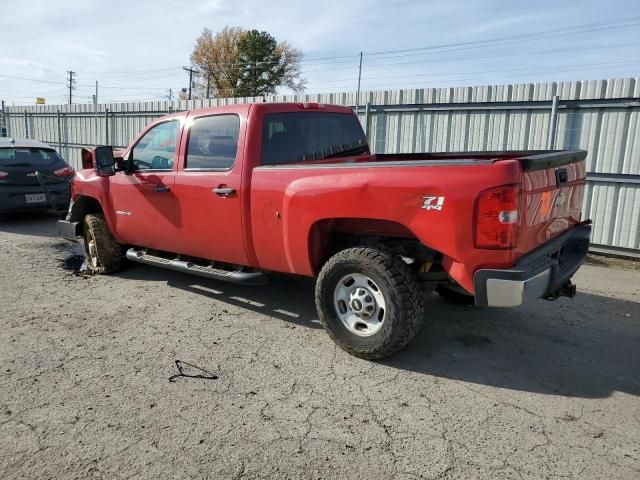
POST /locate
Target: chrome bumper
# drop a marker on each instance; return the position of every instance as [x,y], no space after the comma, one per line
[543,273]
[511,293]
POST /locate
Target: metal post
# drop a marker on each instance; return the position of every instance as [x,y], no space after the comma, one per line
[95,110]
[106,126]
[359,77]
[367,112]
[553,123]
[3,123]
[26,125]
[59,119]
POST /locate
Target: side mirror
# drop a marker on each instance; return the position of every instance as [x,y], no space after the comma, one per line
[105,163]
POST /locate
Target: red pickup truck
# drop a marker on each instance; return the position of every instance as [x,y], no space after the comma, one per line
[233,192]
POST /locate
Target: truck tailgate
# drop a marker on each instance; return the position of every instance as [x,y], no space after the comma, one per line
[553,186]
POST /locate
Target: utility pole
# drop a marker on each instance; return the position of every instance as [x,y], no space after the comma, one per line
[95,113]
[191,72]
[71,85]
[170,95]
[208,84]
[359,77]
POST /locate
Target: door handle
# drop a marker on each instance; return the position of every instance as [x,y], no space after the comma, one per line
[162,189]
[224,191]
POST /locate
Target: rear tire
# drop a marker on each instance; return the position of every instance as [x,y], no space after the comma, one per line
[103,254]
[369,302]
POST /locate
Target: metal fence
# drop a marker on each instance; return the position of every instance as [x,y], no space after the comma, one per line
[601,116]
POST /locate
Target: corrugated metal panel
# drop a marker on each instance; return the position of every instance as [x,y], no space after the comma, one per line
[615,211]
[490,117]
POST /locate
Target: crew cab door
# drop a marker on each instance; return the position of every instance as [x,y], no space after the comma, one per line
[143,200]
[208,187]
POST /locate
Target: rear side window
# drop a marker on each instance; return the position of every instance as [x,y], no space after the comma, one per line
[213,142]
[307,136]
[28,157]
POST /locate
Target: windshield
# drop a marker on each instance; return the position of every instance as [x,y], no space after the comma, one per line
[27,157]
[307,136]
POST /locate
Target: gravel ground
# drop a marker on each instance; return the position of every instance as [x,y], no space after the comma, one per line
[86,390]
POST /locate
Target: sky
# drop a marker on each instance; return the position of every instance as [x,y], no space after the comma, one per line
[135,48]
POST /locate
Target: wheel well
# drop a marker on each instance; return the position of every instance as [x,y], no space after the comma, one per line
[81,207]
[328,237]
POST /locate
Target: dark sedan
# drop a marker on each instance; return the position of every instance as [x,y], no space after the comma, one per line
[33,176]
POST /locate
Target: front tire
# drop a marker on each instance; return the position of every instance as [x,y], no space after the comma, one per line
[103,254]
[369,302]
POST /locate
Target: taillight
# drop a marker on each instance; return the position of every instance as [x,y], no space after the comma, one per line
[3,174]
[496,217]
[64,172]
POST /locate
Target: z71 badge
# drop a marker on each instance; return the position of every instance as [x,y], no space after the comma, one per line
[433,203]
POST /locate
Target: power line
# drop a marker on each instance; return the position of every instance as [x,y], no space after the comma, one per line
[500,70]
[134,72]
[383,64]
[32,80]
[540,52]
[534,73]
[576,29]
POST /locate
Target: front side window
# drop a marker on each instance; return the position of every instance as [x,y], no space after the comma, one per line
[213,142]
[307,136]
[156,149]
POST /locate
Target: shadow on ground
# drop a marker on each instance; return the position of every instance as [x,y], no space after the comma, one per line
[287,298]
[39,224]
[587,347]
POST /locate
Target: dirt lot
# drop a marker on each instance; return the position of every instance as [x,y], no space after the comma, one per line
[543,391]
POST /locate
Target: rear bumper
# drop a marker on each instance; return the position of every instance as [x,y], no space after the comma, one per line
[13,199]
[545,272]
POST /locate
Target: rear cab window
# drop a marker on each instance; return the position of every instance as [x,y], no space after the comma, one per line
[213,142]
[28,157]
[310,136]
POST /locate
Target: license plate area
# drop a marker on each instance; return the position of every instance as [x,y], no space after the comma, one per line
[35,198]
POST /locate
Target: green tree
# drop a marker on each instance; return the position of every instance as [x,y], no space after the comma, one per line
[267,65]
[238,63]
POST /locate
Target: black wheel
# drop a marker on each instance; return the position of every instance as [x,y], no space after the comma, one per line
[369,302]
[454,294]
[103,253]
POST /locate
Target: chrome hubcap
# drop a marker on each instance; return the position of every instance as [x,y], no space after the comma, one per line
[359,304]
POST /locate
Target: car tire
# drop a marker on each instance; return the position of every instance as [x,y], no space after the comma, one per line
[103,254]
[369,302]
[454,295]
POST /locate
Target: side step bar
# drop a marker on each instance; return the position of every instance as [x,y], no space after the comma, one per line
[245,278]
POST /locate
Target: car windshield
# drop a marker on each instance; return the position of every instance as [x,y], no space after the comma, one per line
[27,157]
[307,136]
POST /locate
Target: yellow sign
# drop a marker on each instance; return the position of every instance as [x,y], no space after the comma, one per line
[40,101]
